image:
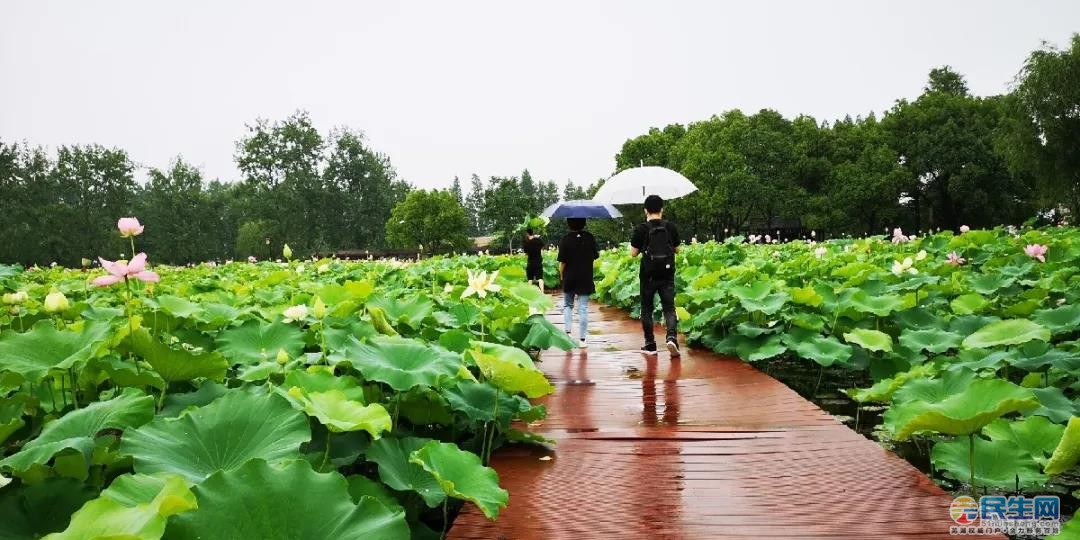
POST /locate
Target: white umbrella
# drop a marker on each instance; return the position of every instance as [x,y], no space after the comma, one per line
[633,185]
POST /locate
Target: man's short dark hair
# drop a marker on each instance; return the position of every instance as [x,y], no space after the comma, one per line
[575,223]
[654,204]
[529,231]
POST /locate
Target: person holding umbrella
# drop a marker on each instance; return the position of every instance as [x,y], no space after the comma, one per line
[577,252]
[657,241]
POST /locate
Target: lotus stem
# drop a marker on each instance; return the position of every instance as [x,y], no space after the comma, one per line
[326,452]
[971,463]
[821,372]
[445,517]
[74,387]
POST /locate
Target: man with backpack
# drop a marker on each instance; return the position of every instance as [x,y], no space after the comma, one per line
[657,241]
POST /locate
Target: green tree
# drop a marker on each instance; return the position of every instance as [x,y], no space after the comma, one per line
[474,207]
[433,219]
[946,139]
[1043,138]
[364,188]
[505,207]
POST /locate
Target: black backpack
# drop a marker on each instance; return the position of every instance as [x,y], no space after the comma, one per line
[659,253]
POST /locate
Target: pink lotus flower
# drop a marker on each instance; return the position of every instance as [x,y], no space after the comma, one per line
[964,229]
[121,271]
[129,227]
[1036,251]
[898,236]
[955,259]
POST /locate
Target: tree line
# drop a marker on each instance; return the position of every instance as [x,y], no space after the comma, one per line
[945,159]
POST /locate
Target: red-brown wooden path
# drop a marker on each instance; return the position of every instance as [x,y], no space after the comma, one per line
[701,447]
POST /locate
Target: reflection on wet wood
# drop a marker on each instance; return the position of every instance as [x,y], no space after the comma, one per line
[698,447]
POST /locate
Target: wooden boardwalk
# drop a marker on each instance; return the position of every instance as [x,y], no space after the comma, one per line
[701,447]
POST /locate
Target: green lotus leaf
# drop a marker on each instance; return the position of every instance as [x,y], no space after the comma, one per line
[392,455]
[464,315]
[339,413]
[966,325]
[990,283]
[510,369]
[871,340]
[477,401]
[752,330]
[998,464]
[109,518]
[32,354]
[255,342]
[136,489]
[175,365]
[758,297]
[11,413]
[825,350]
[528,295]
[1039,355]
[410,312]
[223,435]
[883,390]
[259,500]
[1035,435]
[968,304]
[324,381]
[124,372]
[762,348]
[178,307]
[1055,406]
[544,335]
[918,319]
[175,404]
[806,296]
[402,363]
[1070,530]
[362,486]
[1059,320]
[1067,452]
[880,305]
[959,413]
[933,340]
[1007,332]
[42,508]
[462,476]
[455,340]
[77,429]
[218,315]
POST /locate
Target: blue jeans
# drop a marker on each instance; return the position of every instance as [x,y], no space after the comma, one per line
[583,312]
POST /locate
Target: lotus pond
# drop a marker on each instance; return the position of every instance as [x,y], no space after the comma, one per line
[316,399]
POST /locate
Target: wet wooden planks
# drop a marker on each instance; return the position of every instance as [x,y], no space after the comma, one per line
[699,447]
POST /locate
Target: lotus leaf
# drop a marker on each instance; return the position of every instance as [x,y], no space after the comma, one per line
[998,464]
[223,435]
[871,340]
[510,369]
[175,365]
[958,413]
[1007,332]
[134,514]
[43,348]
[395,470]
[1067,452]
[77,429]
[255,342]
[462,476]
[339,413]
[259,500]
[403,363]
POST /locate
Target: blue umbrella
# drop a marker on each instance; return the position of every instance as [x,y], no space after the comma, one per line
[581,209]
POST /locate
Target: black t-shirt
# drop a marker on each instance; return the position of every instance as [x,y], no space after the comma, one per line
[640,238]
[578,250]
[534,249]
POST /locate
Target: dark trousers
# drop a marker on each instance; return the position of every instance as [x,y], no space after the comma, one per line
[666,290]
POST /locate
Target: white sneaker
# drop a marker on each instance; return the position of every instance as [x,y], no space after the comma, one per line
[583,344]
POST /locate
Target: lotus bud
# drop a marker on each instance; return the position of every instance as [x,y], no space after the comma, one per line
[295,313]
[323,268]
[85,262]
[286,252]
[56,302]
[319,309]
[296,392]
[129,227]
[282,358]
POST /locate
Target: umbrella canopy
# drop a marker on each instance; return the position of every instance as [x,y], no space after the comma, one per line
[633,185]
[581,209]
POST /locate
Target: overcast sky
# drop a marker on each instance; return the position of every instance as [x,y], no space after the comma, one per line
[451,88]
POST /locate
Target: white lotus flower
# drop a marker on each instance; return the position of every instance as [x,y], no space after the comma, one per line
[907,265]
[920,255]
[56,301]
[295,313]
[821,251]
[481,283]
